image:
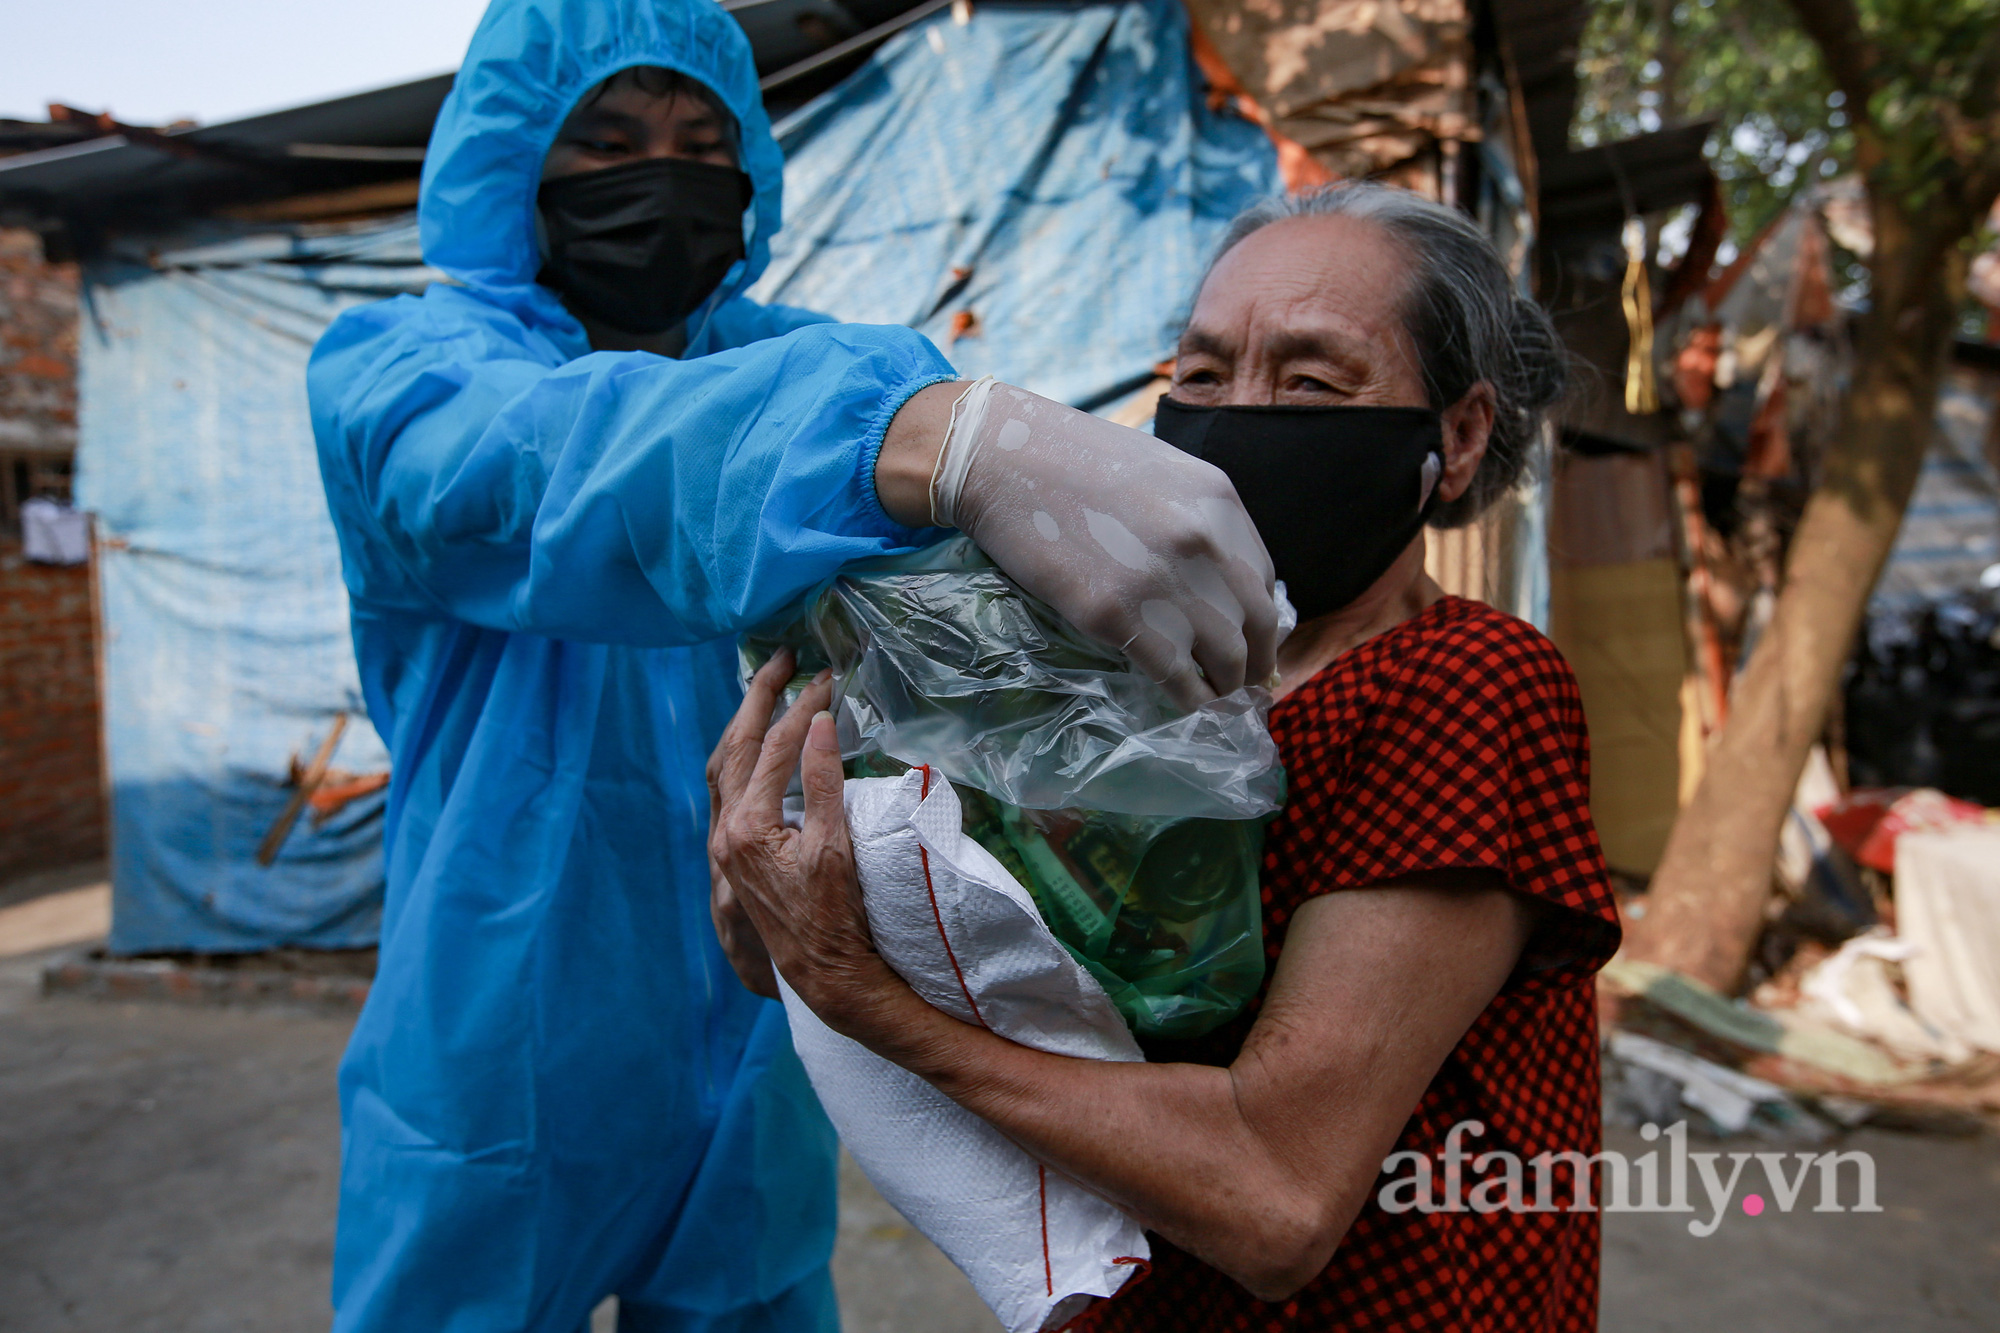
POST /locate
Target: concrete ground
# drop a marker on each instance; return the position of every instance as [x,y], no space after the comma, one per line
[172,1170]
[1929,1262]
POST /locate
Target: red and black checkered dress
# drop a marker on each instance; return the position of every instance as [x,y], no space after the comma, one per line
[1454,740]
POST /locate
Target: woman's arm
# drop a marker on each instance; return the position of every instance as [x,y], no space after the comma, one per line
[1258,1169]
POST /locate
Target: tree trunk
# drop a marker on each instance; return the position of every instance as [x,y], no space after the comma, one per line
[1706,906]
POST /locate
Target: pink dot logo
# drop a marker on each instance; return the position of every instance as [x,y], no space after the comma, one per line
[1753,1204]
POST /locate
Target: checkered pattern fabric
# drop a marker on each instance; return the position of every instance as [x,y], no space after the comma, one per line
[1454,740]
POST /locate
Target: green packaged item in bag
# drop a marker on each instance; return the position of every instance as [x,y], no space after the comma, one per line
[1137,829]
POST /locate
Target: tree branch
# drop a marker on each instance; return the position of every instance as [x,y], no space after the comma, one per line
[1835,28]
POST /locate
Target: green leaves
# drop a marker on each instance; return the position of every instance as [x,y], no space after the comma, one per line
[1649,63]
[1933,67]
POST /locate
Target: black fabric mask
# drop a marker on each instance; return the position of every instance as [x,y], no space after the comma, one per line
[639,246]
[1337,493]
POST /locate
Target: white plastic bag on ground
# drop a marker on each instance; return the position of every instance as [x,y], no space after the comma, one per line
[949,919]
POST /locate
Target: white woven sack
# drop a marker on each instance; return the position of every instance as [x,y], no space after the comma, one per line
[953,923]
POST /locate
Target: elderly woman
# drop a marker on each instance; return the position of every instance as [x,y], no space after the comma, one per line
[1359,363]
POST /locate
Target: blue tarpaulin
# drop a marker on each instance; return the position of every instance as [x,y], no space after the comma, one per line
[1047,178]
[1044,182]
[226,647]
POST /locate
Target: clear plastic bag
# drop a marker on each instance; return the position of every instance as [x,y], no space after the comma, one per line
[1137,829]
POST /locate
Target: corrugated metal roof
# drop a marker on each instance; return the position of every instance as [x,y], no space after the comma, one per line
[1598,188]
[237,159]
[258,157]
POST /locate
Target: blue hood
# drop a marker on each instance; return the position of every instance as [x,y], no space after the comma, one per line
[528,64]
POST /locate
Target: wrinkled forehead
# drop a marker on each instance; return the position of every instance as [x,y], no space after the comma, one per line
[1304,279]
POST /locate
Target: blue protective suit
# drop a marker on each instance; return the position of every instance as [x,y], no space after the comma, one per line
[558,1089]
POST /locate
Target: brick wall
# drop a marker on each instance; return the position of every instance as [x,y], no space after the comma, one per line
[38,329]
[51,800]
[51,803]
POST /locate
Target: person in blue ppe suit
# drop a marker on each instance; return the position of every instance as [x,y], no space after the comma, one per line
[562,481]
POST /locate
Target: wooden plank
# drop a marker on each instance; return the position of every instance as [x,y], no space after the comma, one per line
[308,783]
[380,197]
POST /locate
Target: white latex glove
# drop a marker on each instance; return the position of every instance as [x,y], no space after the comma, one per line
[1137,544]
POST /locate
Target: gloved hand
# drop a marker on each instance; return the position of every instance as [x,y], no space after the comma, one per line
[1137,544]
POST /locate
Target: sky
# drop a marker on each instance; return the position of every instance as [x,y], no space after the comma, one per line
[150,63]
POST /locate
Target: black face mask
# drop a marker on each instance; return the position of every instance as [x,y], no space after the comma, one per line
[639,246]
[1337,493]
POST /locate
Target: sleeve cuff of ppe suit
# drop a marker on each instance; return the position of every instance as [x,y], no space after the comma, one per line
[871,450]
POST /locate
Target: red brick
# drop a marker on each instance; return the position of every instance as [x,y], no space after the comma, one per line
[51,802]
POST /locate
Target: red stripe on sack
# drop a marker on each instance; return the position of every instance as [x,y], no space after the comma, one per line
[1144,1266]
[923,854]
[1048,1271]
[1041,1172]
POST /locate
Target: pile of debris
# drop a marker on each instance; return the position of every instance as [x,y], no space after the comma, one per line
[1875,995]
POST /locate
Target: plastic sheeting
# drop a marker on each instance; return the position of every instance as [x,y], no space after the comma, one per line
[226,645]
[1037,190]
[941,659]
